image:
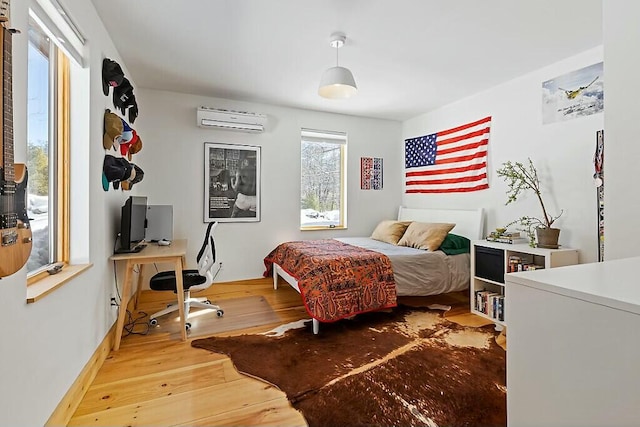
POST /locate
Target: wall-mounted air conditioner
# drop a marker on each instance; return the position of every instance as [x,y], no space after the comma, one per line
[231,120]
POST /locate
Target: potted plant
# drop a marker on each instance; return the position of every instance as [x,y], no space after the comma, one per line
[520,178]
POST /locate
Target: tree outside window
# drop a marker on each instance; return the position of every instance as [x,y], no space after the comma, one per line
[322,197]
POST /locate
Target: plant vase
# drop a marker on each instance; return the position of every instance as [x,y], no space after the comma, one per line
[547,237]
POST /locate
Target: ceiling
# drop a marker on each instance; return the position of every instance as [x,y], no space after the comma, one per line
[408,56]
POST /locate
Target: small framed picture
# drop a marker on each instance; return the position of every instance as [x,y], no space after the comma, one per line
[231,182]
[371,173]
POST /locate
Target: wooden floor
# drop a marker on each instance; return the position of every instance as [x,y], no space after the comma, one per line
[159,380]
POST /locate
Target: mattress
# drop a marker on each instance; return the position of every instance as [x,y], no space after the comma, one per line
[418,272]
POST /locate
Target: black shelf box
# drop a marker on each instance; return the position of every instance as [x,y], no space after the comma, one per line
[490,263]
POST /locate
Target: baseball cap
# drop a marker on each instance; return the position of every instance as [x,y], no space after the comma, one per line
[115,170]
[125,145]
[105,181]
[123,95]
[112,75]
[135,147]
[127,133]
[125,126]
[137,176]
[126,137]
[112,129]
[133,110]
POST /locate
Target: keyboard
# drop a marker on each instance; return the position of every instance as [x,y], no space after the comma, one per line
[137,248]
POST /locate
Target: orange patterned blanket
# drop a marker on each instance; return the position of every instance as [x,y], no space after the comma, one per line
[336,280]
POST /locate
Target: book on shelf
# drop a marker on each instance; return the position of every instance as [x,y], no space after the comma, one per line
[508,234]
[490,303]
[517,263]
[502,239]
[500,308]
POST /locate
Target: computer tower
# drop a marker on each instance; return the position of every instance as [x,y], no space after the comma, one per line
[159,223]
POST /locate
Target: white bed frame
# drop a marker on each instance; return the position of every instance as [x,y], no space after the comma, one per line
[469,223]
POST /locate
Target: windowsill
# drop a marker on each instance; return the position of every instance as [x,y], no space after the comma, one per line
[43,287]
[323,227]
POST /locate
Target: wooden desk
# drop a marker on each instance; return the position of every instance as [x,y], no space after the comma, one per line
[174,253]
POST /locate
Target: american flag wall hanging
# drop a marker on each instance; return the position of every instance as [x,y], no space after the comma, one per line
[450,161]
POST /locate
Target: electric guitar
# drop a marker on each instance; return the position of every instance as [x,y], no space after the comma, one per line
[15,231]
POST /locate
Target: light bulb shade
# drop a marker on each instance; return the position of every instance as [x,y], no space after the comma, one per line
[337,82]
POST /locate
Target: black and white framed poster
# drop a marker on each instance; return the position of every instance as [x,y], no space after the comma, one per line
[231,182]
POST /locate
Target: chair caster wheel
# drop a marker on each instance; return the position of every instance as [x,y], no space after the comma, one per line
[207,302]
[187,326]
[153,322]
[220,313]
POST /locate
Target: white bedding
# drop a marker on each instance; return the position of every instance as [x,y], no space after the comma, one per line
[419,272]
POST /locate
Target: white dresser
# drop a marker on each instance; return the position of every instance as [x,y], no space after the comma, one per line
[573,345]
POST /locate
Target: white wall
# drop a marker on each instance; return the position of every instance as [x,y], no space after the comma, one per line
[173,160]
[622,134]
[562,153]
[45,345]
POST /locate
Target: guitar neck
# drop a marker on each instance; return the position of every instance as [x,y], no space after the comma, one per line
[7,108]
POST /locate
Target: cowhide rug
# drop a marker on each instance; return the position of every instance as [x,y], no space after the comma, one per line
[404,367]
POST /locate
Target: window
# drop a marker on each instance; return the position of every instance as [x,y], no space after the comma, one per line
[47,150]
[323,179]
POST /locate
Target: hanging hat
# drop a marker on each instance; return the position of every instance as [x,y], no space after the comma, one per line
[105,181]
[125,144]
[126,137]
[133,110]
[127,133]
[112,75]
[115,170]
[132,146]
[112,129]
[125,126]
[123,95]
[136,176]
[135,147]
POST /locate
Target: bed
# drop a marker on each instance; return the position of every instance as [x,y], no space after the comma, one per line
[373,273]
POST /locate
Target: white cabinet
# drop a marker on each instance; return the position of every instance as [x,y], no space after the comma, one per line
[490,261]
[573,348]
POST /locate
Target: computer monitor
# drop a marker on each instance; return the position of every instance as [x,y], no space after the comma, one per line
[133,222]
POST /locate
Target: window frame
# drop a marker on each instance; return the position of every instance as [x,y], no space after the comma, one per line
[59,131]
[330,137]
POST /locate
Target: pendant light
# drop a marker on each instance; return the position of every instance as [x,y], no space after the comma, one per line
[337,82]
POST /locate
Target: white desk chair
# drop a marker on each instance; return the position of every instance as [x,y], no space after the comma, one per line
[196,280]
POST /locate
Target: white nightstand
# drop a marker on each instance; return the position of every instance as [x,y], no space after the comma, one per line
[490,261]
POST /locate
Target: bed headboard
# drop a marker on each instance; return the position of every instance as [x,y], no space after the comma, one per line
[469,222]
